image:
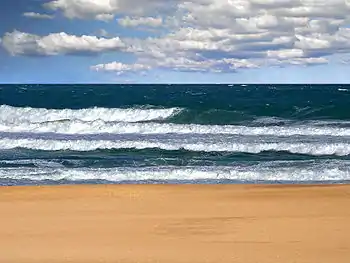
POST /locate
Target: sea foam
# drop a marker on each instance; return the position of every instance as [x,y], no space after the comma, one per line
[17,115]
[73,126]
[316,148]
[326,172]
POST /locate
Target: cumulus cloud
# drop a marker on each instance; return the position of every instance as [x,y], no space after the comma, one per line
[286,53]
[141,21]
[202,35]
[120,68]
[19,43]
[308,61]
[104,17]
[85,9]
[37,15]
[182,64]
[261,32]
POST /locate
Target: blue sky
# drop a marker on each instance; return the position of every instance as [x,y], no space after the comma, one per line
[174,41]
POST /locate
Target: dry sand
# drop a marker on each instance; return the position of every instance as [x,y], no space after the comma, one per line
[168,224]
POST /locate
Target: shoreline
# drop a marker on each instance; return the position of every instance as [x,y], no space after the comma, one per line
[175,223]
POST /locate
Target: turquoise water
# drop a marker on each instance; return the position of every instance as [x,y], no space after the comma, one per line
[58,134]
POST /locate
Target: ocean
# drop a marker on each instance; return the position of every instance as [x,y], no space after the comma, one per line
[174,134]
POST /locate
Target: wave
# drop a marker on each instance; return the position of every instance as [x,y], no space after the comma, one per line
[311,173]
[17,115]
[115,120]
[204,104]
[273,114]
[306,148]
[32,162]
[100,127]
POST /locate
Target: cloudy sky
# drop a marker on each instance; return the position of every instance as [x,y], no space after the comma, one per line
[175,41]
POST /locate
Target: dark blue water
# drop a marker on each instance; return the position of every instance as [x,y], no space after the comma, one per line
[174,134]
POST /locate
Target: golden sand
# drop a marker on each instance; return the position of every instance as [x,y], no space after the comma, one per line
[168,224]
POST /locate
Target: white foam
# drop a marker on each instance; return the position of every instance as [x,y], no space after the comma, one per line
[125,121]
[309,148]
[326,172]
[17,115]
[100,126]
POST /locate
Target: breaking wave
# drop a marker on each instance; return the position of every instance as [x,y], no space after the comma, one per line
[263,173]
[75,126]
[149,133]
[307,148]
[16,115]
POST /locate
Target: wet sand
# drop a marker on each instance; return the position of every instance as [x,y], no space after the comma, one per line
[168,224]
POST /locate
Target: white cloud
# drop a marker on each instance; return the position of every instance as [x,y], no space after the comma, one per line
[202,35]
[19,43]
[37,15]
[312,42]
[300,61]
[235,64]
[120,68]
[285,53]
[104,17]
[85,9]
[141,21]
[179,64]
[308,61]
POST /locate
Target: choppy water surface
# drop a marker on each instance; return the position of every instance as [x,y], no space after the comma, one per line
[55,134]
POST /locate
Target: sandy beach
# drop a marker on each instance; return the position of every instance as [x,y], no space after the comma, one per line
[228,223]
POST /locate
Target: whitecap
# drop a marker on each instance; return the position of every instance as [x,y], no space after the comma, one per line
[307,148]
[331,171]
[101,127]
[18,115]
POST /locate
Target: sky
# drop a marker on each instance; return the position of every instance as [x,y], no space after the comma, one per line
[174,41]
